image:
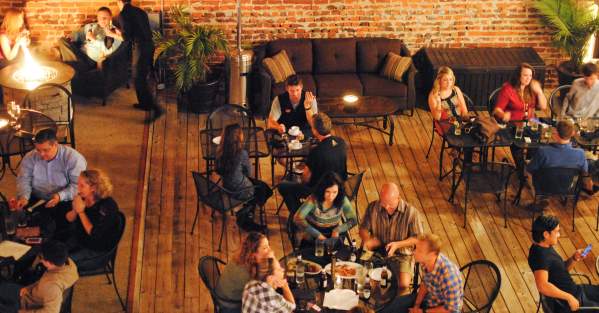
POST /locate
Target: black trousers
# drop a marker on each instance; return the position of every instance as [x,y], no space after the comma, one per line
[9,297]
[72,55]
[141,67]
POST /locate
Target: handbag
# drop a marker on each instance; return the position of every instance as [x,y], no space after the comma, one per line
[486,128]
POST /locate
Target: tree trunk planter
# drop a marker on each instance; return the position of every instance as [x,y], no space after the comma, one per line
[567,73]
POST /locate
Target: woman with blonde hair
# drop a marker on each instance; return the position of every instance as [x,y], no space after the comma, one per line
[13,34]
[446,99]
[94,216]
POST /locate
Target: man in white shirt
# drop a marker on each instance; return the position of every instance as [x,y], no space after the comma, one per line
[582,101]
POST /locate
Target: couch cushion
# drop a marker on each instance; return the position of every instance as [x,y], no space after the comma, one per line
[334,56]
[279,66]
[395,66]
[371,53]
[335,85]
[299,52]
[375,85]
[307,79]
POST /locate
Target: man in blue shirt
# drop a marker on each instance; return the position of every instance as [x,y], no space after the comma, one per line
[91,44]
[49,173]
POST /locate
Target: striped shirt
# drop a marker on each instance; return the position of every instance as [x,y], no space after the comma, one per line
[404,223]
[315,219]
[260,297]
[444,285]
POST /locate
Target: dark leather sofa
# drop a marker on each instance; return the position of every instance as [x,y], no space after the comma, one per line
[333,67]
[102,82]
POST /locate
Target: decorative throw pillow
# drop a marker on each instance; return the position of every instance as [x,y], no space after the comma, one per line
[279,66]
[395,66]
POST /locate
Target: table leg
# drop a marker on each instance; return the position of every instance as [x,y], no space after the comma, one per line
[385,121]
[391,129]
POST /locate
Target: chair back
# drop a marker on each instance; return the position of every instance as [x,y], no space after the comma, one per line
[213,195]
[209,270]
[492,100]
[556,100]
[30,122]
[105,262]
[56,102]
[470,104]
[553,181]
[67,299]
[229,114]
[352,185]
[482,281]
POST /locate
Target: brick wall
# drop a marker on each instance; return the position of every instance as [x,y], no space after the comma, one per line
[436,23]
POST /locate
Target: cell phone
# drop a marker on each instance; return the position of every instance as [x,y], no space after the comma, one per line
[586,250]
[33,240]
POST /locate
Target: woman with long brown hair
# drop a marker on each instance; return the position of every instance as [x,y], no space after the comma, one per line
[236,274]
[13,34]
[233,165]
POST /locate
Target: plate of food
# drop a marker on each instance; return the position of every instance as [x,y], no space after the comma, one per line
[375,274]
[311,268]
[344,269]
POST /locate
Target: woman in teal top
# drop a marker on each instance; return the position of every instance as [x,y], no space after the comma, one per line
[236,273]
[320,216]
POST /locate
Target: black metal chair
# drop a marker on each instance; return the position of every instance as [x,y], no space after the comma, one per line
[560,182]
[209,270]
[67,299]
[556,100]
[492,99]
[487,178]
[352,188]
[56,102]
[107,261]
[548,306]
[218,199]
[482,282]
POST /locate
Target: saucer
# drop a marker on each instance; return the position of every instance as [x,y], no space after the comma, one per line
[296,133]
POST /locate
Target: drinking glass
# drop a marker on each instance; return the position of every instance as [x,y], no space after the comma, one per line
[547,134]
[534,126]
[319,249]
[457,129]
[368,265]
[10,225]
[366,293]
[519,132]
[338,283]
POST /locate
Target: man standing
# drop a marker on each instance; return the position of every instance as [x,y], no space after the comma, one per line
[135,28]
[49,173]
[441,287]
[45,295]
[551,271]
[92,43]
[583,98]
[295,107]
[329,155]
[391,226]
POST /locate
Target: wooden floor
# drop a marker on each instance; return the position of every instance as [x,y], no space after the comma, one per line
[169,281]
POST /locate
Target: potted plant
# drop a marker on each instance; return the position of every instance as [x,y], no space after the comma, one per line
[572,22]
[192,46]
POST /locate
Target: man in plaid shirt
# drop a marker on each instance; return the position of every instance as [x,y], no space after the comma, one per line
[260,295]
[441,289]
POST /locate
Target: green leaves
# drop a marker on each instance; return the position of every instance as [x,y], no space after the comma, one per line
[192,45]
[571,22]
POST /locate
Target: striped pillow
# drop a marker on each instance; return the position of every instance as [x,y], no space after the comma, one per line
[279,66]
[395,66]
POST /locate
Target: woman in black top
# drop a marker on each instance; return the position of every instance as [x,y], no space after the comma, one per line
[95,217]
[233,165]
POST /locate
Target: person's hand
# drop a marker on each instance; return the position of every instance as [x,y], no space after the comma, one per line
[573,303]
[322,237]
[391,248]
[53,201]
[309,99]
[334,234]
[282,128]
[415,310]
[109,32]
[22,292]
[17,204]
[78,204]
[577,256]
[507,116]
[372,243]
[536,87]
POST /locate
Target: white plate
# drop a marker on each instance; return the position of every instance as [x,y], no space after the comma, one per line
[216,140]
[356,266]
[375,274]
[294,133]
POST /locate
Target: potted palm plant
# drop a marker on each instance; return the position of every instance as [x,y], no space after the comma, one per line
[572,22]
[191,47]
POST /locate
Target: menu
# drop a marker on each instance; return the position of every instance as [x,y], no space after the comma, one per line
[13,249]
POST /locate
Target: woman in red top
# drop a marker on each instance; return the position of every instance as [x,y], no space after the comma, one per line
[13,35]
[518,98]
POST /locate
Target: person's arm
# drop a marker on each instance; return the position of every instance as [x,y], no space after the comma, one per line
[501,104]
[577,256]
[25,177]
[370,241]
[116,33]
[49,295]
[124,24]
[10,52]
[420,296]
[434,104]
[567,99]
[550,290]
[350,217]
[75,165]
[309,106]
[306,209]
[274,115]
[538,90]
[395,245]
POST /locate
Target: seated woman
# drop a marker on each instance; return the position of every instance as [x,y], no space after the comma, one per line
[94,215]
[260,294]
[13,36]
[445,100]
[320,216]
[236,274]
[233,165]
[517,101]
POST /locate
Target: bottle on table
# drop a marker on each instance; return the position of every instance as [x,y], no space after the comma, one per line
[299,271]
[333,264]
[353,256]
[366,290]
[323,280]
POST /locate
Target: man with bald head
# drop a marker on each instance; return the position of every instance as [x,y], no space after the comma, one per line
[390,226]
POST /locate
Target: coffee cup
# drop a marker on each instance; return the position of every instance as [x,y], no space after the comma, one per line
[294,130]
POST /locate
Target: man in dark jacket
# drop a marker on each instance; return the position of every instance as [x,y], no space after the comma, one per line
[135,27]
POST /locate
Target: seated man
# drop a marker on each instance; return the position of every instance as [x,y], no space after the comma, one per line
[330,154]
[92,43]
[551,272]
[49,173]
[441,288]
[583,98]
[295,107]
[562,154]
[46,294]
[392,225]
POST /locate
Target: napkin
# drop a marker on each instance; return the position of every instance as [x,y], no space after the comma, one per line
[340,299]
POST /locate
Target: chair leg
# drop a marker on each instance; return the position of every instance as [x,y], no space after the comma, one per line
[280,207]
[505,208]
[195,219]
[72,133]
[466,198]
[108,277]
[441,159]
[539,306]
[116,289]
[431,144]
